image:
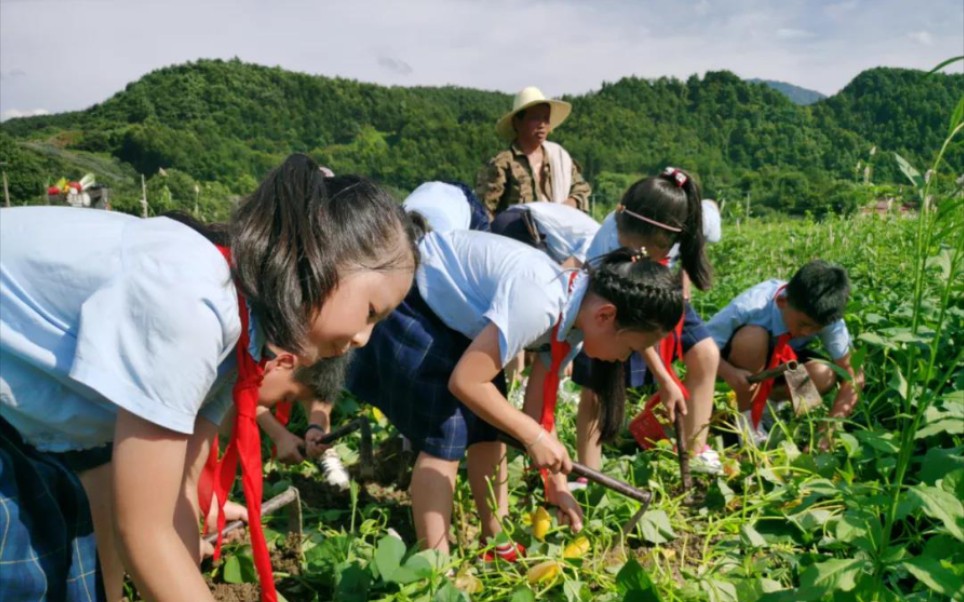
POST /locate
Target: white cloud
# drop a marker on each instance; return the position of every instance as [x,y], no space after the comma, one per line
[786,33]
[924,38]
[14,113]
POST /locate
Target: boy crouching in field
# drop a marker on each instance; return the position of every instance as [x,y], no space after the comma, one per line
[773,322]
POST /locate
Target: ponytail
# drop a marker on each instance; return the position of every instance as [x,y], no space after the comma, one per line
[647,297]
[294,236]
[669,207]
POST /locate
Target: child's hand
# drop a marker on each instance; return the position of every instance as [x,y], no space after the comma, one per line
[744,389]
[672,397]
[568,510]
[289,448]
[547,452]
[313,441]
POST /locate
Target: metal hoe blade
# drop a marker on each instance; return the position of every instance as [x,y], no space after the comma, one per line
[803,393]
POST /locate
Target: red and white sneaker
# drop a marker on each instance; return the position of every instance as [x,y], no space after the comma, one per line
[578,484]
[507,552]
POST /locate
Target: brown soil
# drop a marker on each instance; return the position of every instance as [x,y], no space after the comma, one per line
[286,557]
[240,592]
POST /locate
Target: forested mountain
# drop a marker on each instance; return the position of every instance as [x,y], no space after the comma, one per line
[796,94]
[223,124]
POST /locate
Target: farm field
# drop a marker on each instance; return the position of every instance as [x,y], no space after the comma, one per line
[877,517]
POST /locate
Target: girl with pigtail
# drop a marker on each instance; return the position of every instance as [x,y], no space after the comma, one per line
[654,216]
[435,366]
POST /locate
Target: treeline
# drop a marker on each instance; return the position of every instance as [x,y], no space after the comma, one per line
[215,127]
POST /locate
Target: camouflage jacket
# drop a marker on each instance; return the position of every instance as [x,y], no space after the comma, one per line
[507,180]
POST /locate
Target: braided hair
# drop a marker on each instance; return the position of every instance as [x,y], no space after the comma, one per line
[647,297]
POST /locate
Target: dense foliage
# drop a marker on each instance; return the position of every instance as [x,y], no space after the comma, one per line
[229,122]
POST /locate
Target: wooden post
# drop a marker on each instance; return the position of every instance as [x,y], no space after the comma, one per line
[197,196]
[143,197]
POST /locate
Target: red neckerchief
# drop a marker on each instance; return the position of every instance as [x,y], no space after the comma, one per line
[782,352]
[244,448]
[645,427]
[550,386]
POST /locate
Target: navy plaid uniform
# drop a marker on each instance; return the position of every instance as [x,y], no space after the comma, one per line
[47,546]
[404,371]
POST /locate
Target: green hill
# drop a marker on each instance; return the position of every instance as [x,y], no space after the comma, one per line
[223,124]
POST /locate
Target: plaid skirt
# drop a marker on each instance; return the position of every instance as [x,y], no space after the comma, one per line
[637,375]
[404,370]
[47,547]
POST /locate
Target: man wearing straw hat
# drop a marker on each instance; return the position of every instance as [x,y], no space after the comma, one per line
[532,168]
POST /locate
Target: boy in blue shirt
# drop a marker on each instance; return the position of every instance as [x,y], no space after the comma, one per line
[774,322]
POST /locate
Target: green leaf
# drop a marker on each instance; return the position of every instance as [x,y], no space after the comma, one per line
[945,63]
[656,528]
[898,382]
[883,442]
[833,575]
[942,506]
[875,339]
[953,483]
[415,568]
[751,538]
[936,576]
[522,594]
[718,590]
[353,584]
[937,420]
[937,462]
[635,583]
[449,593]
[908,170]
[232,570]
[388,557]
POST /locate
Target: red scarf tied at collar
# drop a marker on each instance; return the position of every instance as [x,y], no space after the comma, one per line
[244,447]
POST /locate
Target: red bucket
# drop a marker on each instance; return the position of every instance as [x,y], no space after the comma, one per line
[646,428]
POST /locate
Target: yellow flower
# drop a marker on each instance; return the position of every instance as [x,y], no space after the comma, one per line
[544,572]
[577,549]
[541,521]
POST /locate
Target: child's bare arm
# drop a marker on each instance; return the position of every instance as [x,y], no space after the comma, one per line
[287,445]
[156,516]
[319,413]
[670,393]
[849,391]
[471,383]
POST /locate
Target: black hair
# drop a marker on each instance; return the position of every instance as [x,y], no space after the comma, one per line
[419,224]
[672,198]
[214,232]
[326,377]
[647,297]
[820,290]
[299,231]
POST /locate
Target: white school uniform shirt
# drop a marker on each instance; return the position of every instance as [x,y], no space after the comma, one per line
[568,231]
[470,279]
[100,311]
[607,239]
[443,205]
[757,306]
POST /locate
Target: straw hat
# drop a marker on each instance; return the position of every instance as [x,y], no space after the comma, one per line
[528,97]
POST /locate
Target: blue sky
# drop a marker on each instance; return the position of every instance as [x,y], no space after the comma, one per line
[58,55]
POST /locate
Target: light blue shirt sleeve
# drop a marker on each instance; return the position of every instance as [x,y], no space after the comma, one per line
[836,339]
[749,307]
[606,239]
[569,232]
[471,279]
[712,222]
[443,205]
[151,341]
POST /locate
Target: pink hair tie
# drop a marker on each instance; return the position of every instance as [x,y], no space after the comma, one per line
[678,176]
[622,209]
